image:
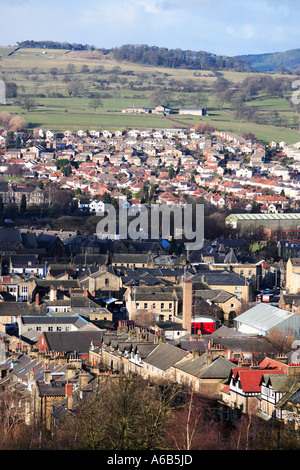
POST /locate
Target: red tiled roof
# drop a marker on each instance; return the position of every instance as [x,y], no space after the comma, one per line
[250,378]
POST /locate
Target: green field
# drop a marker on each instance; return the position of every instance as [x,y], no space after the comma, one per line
[47,75]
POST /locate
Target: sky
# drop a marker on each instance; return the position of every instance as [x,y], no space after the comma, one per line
[223,27]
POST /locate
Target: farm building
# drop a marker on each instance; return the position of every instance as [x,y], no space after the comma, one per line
[194,111]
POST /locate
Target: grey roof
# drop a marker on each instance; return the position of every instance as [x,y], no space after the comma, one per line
[219,368]
[291,386]
[160,271]
[143,278]
[50,320]
[58,283]
[155,293]
[130,258]
[214,295]
[280,383]
[245,344]
[169,325]
[226,332]
[91,259]
[70,341]
[230,257]
[164,356]
[219,278]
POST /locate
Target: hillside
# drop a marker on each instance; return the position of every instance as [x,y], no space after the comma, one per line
[152,55]
[269,62]
[83,88]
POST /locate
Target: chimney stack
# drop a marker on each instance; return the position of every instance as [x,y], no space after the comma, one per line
[187,302]
[47,374]
[196,353]
[69,395]
[37,299]
[53,294]
[83,379]
[70,371]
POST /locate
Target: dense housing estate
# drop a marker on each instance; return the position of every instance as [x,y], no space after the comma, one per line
[77,309]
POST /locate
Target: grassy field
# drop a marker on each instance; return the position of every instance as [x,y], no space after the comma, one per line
[46,75]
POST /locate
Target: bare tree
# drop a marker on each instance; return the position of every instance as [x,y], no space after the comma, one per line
[281,342]
[124,413]
[145,318]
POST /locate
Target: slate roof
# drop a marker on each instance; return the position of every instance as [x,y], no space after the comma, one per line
[155,293]
[225,332]
[90,259]
[127,258]
[58,283]
[214,295]
[219,368]
[164,356]
[232,242]
[291,386]
[143,278]
[70,341]
[50,320]
[220,278]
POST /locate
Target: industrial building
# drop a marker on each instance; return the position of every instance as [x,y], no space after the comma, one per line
[263,318]
[278,225]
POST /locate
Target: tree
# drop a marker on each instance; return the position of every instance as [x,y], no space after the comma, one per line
[70,68]
[85,69]
[145,318]
[75,88]
[29,103]
[17,123]
[18,142]
[67,170]
[171,173]
[5,117]
[53,71]
[281,342]
[96,103]
[123,413]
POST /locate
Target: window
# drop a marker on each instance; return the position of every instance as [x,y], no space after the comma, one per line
[162,305]
[145,305]
[106,281]
[50,328]
[170,305]
[58,328]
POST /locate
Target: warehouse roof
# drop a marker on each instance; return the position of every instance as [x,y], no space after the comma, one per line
[264,317]
[276,216]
